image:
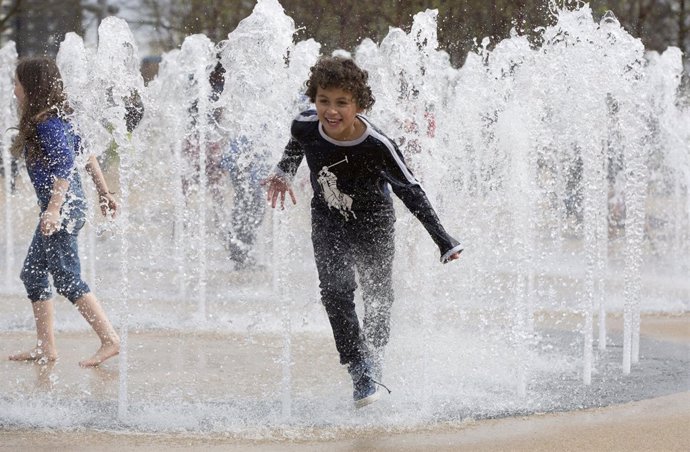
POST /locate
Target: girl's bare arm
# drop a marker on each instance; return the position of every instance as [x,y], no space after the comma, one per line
[50,218]
[105,197]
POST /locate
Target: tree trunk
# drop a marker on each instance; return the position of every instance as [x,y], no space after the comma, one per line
[682,27]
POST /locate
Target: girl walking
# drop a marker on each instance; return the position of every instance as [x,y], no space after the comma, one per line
[49,145]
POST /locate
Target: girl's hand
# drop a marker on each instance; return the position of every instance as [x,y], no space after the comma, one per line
[108,204]
[50,222]
[277,186]
[50,218]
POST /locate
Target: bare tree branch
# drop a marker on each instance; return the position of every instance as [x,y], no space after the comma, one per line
[15,9]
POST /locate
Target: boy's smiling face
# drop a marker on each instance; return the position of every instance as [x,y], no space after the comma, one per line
[337,112]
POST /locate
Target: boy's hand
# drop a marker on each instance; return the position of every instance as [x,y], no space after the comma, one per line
[453,257]
[276,187]
[107,204]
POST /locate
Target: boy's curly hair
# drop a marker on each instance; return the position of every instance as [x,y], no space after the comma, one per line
[343,73]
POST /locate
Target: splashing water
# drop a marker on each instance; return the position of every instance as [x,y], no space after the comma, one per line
[563,167]
[8,55]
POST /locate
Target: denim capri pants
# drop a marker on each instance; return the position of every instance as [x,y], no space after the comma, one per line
[58,255]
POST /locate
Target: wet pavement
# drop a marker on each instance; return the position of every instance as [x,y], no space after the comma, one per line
[239,385]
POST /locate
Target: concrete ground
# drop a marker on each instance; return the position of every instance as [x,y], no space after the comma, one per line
[159,369]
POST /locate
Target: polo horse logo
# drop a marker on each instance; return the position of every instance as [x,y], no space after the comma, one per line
[333,196]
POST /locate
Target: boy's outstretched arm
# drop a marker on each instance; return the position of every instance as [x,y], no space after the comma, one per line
[276,186]
[105,197]
[415,199]
[279,181]
[407,188]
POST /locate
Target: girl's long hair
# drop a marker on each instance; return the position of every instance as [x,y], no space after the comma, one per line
[44,97]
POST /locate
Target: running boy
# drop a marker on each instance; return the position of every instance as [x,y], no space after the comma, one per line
[353,167]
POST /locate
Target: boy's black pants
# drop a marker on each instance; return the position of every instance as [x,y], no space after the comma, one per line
[365,243]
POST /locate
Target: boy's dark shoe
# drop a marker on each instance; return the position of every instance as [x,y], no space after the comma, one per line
[365,391]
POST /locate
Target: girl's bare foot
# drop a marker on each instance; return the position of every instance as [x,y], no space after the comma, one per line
[37,354]
[106,351]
